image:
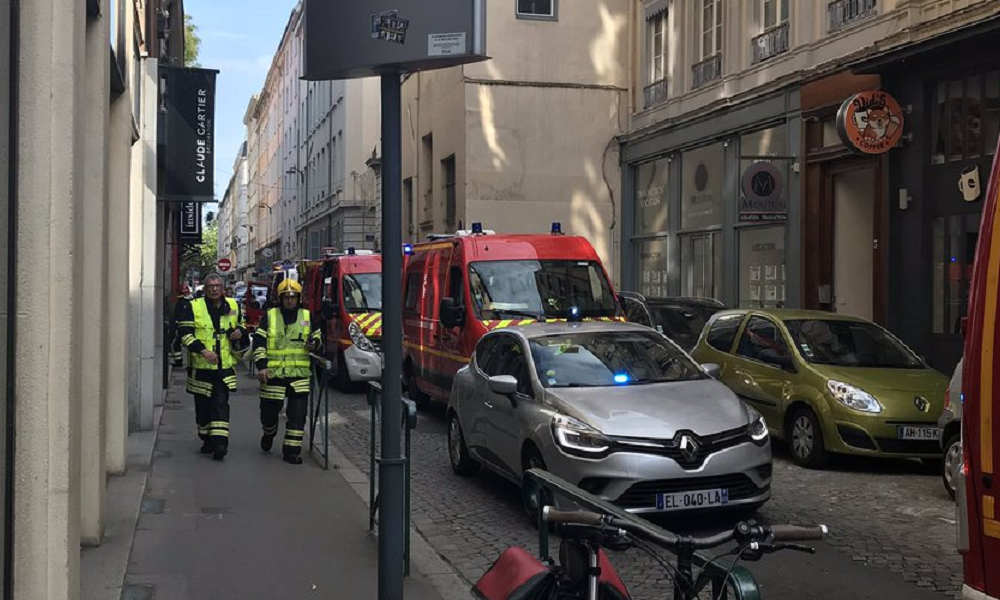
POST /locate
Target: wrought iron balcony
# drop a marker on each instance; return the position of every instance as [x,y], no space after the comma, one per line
[772,42]
[655,92]
[843,13]
[707,70]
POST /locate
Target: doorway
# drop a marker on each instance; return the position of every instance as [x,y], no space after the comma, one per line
[854,215]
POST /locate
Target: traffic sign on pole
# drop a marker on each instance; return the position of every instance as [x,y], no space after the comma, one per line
[225,264]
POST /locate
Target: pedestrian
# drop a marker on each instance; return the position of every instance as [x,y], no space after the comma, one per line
[283,340]
[176,348]
[209,327]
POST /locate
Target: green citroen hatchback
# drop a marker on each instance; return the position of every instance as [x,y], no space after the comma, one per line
[827,383]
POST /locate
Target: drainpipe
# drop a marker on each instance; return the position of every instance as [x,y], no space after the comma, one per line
[8,483]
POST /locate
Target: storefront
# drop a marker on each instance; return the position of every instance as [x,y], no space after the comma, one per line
[712,206]
[952,92]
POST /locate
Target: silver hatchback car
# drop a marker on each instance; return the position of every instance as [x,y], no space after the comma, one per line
[616,408]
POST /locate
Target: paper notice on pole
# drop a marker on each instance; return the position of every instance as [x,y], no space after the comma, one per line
[445,44]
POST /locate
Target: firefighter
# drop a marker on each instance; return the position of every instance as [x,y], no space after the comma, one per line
[283,340]
[176,348]
[210,327]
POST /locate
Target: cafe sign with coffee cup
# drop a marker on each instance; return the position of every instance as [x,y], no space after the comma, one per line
[870,122]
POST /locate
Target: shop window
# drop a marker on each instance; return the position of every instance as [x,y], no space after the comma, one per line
[954,247]
[651,197]
[653,268]
[772,141]
[762,266]
[701,265]
[701,191]
[966,117]
[537,9]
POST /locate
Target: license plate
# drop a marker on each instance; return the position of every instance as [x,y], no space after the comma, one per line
[918,432]
[692,500]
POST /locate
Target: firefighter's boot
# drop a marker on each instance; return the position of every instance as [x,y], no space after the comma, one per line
[266,441]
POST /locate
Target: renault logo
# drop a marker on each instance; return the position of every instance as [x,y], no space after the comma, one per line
[922,404]
[688,446]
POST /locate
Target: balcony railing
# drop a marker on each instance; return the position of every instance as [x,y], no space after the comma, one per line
[843,13]
[772,42]
[707,70]
[655,92]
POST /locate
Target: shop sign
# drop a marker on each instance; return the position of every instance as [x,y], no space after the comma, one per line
[763,197]
[190,222]
[187,143]
[870,122]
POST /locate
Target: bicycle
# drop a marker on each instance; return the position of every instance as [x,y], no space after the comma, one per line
[585,533]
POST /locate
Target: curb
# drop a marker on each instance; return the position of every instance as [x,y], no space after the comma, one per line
[423,557]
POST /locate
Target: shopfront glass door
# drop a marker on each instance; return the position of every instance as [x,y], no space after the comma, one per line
[701,272]
[762,267]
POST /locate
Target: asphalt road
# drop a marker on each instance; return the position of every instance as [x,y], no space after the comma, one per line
[892,524]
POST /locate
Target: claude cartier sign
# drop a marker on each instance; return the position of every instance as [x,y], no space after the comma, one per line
[187,140]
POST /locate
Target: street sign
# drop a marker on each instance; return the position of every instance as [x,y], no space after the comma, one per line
[267,252]
[347,38]
[225,264]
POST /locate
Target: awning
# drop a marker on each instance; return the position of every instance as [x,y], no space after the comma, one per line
[939,43]
[655,7]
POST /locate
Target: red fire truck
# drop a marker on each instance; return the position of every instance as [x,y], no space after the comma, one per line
[458,287]
[344,291]
[979,508]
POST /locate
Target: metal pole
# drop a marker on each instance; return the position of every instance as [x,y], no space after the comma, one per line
[391,475]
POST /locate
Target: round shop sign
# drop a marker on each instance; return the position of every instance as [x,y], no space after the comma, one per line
[762,183]
[870,122]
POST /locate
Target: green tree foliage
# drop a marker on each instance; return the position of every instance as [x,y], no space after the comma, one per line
[192,43]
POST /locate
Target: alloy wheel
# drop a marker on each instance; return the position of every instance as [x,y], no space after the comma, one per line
[803,437]
[952,461]
[454,441]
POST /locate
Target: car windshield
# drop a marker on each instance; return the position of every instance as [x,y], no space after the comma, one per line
[540,288]
[682,323]
[850,344]
[606,358]
[362,292]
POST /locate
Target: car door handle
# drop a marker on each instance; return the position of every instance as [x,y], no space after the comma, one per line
[487,404]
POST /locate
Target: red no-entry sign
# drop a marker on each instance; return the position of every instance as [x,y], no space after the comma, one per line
[225,264]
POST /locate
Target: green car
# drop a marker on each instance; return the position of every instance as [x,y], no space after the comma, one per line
[827,382]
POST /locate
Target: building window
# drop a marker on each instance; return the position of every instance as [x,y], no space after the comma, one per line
[701,190]
[701,264]
[656,43]
[773,39]
[408,206]
[653,268]
[448,190]
[843,13]
[965,121]
[711,28]
[651,197]
[762,266]
[544,10]
[427,176]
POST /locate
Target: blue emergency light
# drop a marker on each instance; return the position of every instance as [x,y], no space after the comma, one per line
[477,227]
[556,228]
[621,378]
[408,249]
[574,312]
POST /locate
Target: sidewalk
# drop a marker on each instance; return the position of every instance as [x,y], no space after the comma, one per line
[251,526]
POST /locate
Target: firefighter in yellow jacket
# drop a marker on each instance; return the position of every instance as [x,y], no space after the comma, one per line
[283,341]
[209,327]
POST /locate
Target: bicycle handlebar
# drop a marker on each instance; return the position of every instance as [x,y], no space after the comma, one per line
[743,531]
[795,533]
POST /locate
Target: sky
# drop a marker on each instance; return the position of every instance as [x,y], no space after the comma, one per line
[238,37]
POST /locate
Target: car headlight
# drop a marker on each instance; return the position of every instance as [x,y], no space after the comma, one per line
[576,437]
[853,397]
[360,339]
[757,428]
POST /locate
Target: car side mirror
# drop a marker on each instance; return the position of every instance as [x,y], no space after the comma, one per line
[713,370]
[504,385]
[452,312]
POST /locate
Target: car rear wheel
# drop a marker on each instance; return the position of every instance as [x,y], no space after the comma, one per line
[342,379]
[413,392]
[952,461]
[805,439]
[458,452]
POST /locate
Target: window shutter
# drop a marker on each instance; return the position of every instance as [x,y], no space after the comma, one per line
[655,7]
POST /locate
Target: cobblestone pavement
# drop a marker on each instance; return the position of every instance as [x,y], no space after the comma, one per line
[892,524]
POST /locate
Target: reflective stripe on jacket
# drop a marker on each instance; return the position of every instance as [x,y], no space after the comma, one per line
[287,355]
[204,331]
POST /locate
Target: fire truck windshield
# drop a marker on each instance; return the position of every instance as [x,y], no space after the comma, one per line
[540,289]
[362,292]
